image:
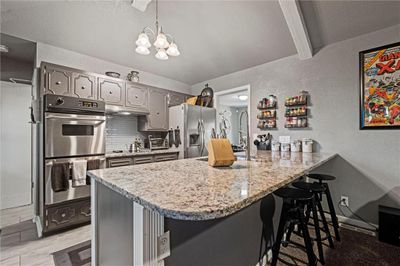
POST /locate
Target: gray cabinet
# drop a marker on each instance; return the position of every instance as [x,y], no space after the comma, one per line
[137,97]
[176,98]
[56,80]
[157,120]
[117,162]
[143,159]
[165,157]
[111,91]
[84,86]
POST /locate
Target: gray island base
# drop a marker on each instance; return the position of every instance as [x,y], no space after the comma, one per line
[213,215]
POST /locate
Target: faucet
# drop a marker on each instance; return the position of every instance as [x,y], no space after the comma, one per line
[247,133]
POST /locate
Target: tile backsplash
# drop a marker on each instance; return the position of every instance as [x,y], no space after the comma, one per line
[121,131]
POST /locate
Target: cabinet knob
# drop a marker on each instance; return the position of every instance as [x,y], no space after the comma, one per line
[136,96]
[58,82]
[110,92]
[158,113]
[83,87]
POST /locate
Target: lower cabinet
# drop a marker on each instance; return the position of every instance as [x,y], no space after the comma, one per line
[67,215]
[141,159]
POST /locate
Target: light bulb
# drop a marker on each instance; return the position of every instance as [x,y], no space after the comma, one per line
[143,40]
[161,41]
[142,50]
[161,54]
[173,50]
[243,97]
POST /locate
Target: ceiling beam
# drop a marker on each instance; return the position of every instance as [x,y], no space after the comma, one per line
[295,21]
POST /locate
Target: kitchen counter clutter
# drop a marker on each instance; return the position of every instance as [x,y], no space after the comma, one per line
[190,189]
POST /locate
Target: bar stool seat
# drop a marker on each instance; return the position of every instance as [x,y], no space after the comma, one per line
[322,177]
[293,194]
[314,187]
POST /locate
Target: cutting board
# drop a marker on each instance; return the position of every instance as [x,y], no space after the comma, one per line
[220,153]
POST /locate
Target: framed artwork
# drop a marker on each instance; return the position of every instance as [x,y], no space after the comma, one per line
[380,87]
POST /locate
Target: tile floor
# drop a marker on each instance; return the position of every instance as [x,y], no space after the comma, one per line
[19,244]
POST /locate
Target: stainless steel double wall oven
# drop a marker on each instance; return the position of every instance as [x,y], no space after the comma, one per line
[73,130]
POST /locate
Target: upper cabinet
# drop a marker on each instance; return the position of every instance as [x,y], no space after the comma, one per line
[137,97]
[56,80]
[176,98]
[157,120]
[84,86]
[111,91]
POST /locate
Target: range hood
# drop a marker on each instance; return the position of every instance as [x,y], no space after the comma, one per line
[122,110]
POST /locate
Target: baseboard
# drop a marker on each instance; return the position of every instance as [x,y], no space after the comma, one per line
[356,223]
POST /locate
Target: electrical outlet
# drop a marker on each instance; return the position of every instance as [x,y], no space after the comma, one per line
[163,246]
[344,201]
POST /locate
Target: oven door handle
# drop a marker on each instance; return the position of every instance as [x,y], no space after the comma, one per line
[75,118]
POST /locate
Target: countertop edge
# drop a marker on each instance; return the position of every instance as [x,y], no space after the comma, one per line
[202,216]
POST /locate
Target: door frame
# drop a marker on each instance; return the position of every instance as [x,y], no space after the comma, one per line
[229,91]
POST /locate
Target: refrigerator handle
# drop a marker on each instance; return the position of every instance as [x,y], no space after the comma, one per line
[202,136]
[200,130]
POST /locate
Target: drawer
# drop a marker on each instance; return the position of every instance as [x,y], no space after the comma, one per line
[142,159]
[119,162]
[165,157]
[59,217]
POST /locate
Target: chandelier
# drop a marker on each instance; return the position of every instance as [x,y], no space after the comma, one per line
[163,46]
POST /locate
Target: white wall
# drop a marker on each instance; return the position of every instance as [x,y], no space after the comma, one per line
[368,169]
[60,56]
[15,145]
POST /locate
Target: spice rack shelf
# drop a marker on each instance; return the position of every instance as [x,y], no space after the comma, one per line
[296,113]
[267,116]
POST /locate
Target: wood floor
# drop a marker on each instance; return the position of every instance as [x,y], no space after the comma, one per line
[21,246]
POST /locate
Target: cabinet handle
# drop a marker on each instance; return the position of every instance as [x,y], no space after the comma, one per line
[136,96]
[83,87]
[58,82]
[158,113]
[110,92]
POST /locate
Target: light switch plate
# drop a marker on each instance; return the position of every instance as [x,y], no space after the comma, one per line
[163,246]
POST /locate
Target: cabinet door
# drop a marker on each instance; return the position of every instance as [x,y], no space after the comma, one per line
[111,91]
[176,99]
[157,119]
[57,81]
[119,162]
[137,97]
[142,159]
[84,86]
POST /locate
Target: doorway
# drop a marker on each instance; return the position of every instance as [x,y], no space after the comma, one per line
[15,143]
[232,107]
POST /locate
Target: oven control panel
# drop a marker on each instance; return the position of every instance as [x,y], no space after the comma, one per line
[67,104]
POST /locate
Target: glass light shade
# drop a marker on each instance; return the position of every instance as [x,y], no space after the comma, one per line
[243,97]
[161,54]
[161,41]
[173,50]
[142,50]
[143,40]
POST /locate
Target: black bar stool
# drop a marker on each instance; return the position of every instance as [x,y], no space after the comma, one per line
[294,201]
[316,189]
[321,178]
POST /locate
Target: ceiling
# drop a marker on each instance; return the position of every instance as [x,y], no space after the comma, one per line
[232,99]
[215,37]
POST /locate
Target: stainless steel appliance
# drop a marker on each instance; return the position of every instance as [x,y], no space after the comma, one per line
[158,143]
[196,124]
[73,130]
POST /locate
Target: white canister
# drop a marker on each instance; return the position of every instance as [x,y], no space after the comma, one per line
[285,147]
[275,145]
[295,146]
[307,145]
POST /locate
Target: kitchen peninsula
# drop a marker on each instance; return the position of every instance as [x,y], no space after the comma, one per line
[133,205]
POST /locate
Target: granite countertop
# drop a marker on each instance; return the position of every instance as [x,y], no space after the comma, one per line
[132,154]
[190,189]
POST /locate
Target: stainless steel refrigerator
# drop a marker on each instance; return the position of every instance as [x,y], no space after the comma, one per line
[196,124]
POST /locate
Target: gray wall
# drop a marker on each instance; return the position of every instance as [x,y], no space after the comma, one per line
[368,168]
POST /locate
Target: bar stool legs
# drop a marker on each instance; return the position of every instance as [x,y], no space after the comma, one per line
[324,222]
[333,213]
[281,230]
[306,236]
[317,232]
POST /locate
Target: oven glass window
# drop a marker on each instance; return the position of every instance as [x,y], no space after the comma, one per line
[77,130]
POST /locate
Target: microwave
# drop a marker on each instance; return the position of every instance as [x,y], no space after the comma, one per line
[158,143]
